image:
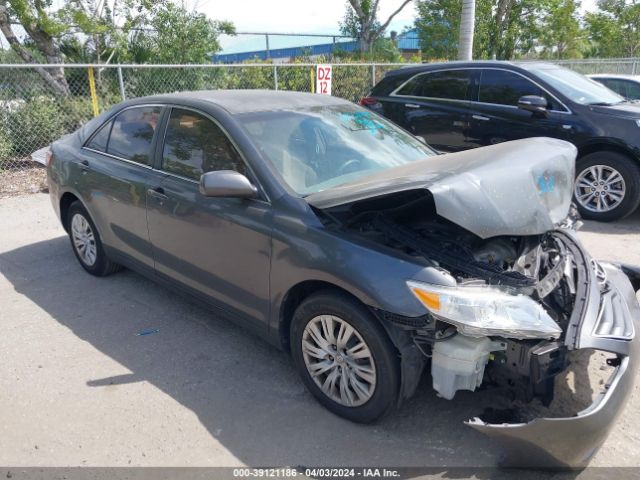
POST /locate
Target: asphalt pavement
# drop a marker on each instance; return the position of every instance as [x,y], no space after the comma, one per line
[79,385]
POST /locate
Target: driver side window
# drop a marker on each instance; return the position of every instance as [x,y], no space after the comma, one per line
[195,145]
[501,87]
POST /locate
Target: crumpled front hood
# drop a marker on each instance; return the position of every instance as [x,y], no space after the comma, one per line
[523,187]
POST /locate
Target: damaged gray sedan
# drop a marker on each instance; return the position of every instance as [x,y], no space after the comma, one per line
[345,240]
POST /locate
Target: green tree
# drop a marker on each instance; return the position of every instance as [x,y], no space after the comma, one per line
[438,26]
[361,21]
[176,35]
[561,35]
[615,29]
[504,29]
[42,29]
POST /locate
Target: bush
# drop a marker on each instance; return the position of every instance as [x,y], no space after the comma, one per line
[34,125]
[5,148]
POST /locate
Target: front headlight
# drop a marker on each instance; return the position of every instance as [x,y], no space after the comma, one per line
[485,311]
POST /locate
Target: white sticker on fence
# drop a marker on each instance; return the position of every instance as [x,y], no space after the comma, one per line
[324,73]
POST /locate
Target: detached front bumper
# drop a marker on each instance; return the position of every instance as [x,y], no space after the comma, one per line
[572,441]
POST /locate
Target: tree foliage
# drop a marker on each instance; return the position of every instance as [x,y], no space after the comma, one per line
[615,29]
[175,35]
[104,31]
[505,29]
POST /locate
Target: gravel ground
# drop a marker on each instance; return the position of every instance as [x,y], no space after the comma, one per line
[79,387]
[30,179]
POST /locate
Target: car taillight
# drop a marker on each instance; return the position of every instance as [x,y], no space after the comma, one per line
[49,157]
[369,101]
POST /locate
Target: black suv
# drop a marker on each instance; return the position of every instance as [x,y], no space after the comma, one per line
[459,105]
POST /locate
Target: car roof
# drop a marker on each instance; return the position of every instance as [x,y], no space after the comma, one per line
[245,101]
[615,75]
[425,67]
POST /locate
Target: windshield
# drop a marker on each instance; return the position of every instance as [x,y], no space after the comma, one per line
[577,87]
[323,147]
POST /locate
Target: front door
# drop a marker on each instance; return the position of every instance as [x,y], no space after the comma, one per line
[496,118]
[218,247]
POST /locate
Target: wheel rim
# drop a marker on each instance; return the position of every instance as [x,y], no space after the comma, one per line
[339,360]
[83,239]
[600,188]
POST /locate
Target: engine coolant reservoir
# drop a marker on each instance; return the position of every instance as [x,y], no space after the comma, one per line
[458,363]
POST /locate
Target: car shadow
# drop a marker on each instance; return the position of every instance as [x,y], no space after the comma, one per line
[244,392]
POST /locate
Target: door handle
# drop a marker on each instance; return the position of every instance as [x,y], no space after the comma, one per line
[157,192]
[412,105]
[84,166]
[481,117]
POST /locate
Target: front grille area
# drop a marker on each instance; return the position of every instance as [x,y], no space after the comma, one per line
[614,319]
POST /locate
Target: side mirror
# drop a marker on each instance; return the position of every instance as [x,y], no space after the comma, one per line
[533,103]
[227,183]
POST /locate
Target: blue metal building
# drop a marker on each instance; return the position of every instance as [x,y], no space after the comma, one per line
[408,44]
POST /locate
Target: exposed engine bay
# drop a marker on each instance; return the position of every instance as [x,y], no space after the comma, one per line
[540,267]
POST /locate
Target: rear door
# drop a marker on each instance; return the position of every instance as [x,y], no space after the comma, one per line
[435,107]
[217,247]
[115,168]
[496,118]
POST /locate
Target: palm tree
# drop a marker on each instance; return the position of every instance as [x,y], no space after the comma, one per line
[467,23]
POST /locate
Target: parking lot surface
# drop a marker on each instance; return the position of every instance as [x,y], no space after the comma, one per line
[80,387]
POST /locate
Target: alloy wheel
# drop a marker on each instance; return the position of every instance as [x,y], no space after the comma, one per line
[339,360]
[600,188]
[84,239]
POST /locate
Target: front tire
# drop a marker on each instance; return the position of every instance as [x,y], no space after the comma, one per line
[86,243]
[344,357]
[607,186]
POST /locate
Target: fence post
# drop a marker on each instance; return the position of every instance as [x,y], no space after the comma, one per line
[312,80]
[373,74]
[92,91]
[275,77]
[121,84]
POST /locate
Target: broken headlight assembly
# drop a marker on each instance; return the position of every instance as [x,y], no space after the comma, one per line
[480,310]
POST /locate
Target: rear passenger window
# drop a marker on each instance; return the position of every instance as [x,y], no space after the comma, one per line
[505,88]
[100,139]
[195,145]
[132,134]
[451,84]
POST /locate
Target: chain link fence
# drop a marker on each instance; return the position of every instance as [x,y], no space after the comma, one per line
[32,115]
[624,66]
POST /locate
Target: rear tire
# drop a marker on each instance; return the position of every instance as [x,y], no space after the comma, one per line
[607,186]
[86,243]
[355,365]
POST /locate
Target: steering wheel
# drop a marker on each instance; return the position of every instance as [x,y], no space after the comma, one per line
[349,166]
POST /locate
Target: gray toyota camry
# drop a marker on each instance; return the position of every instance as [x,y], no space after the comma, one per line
[348,242]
